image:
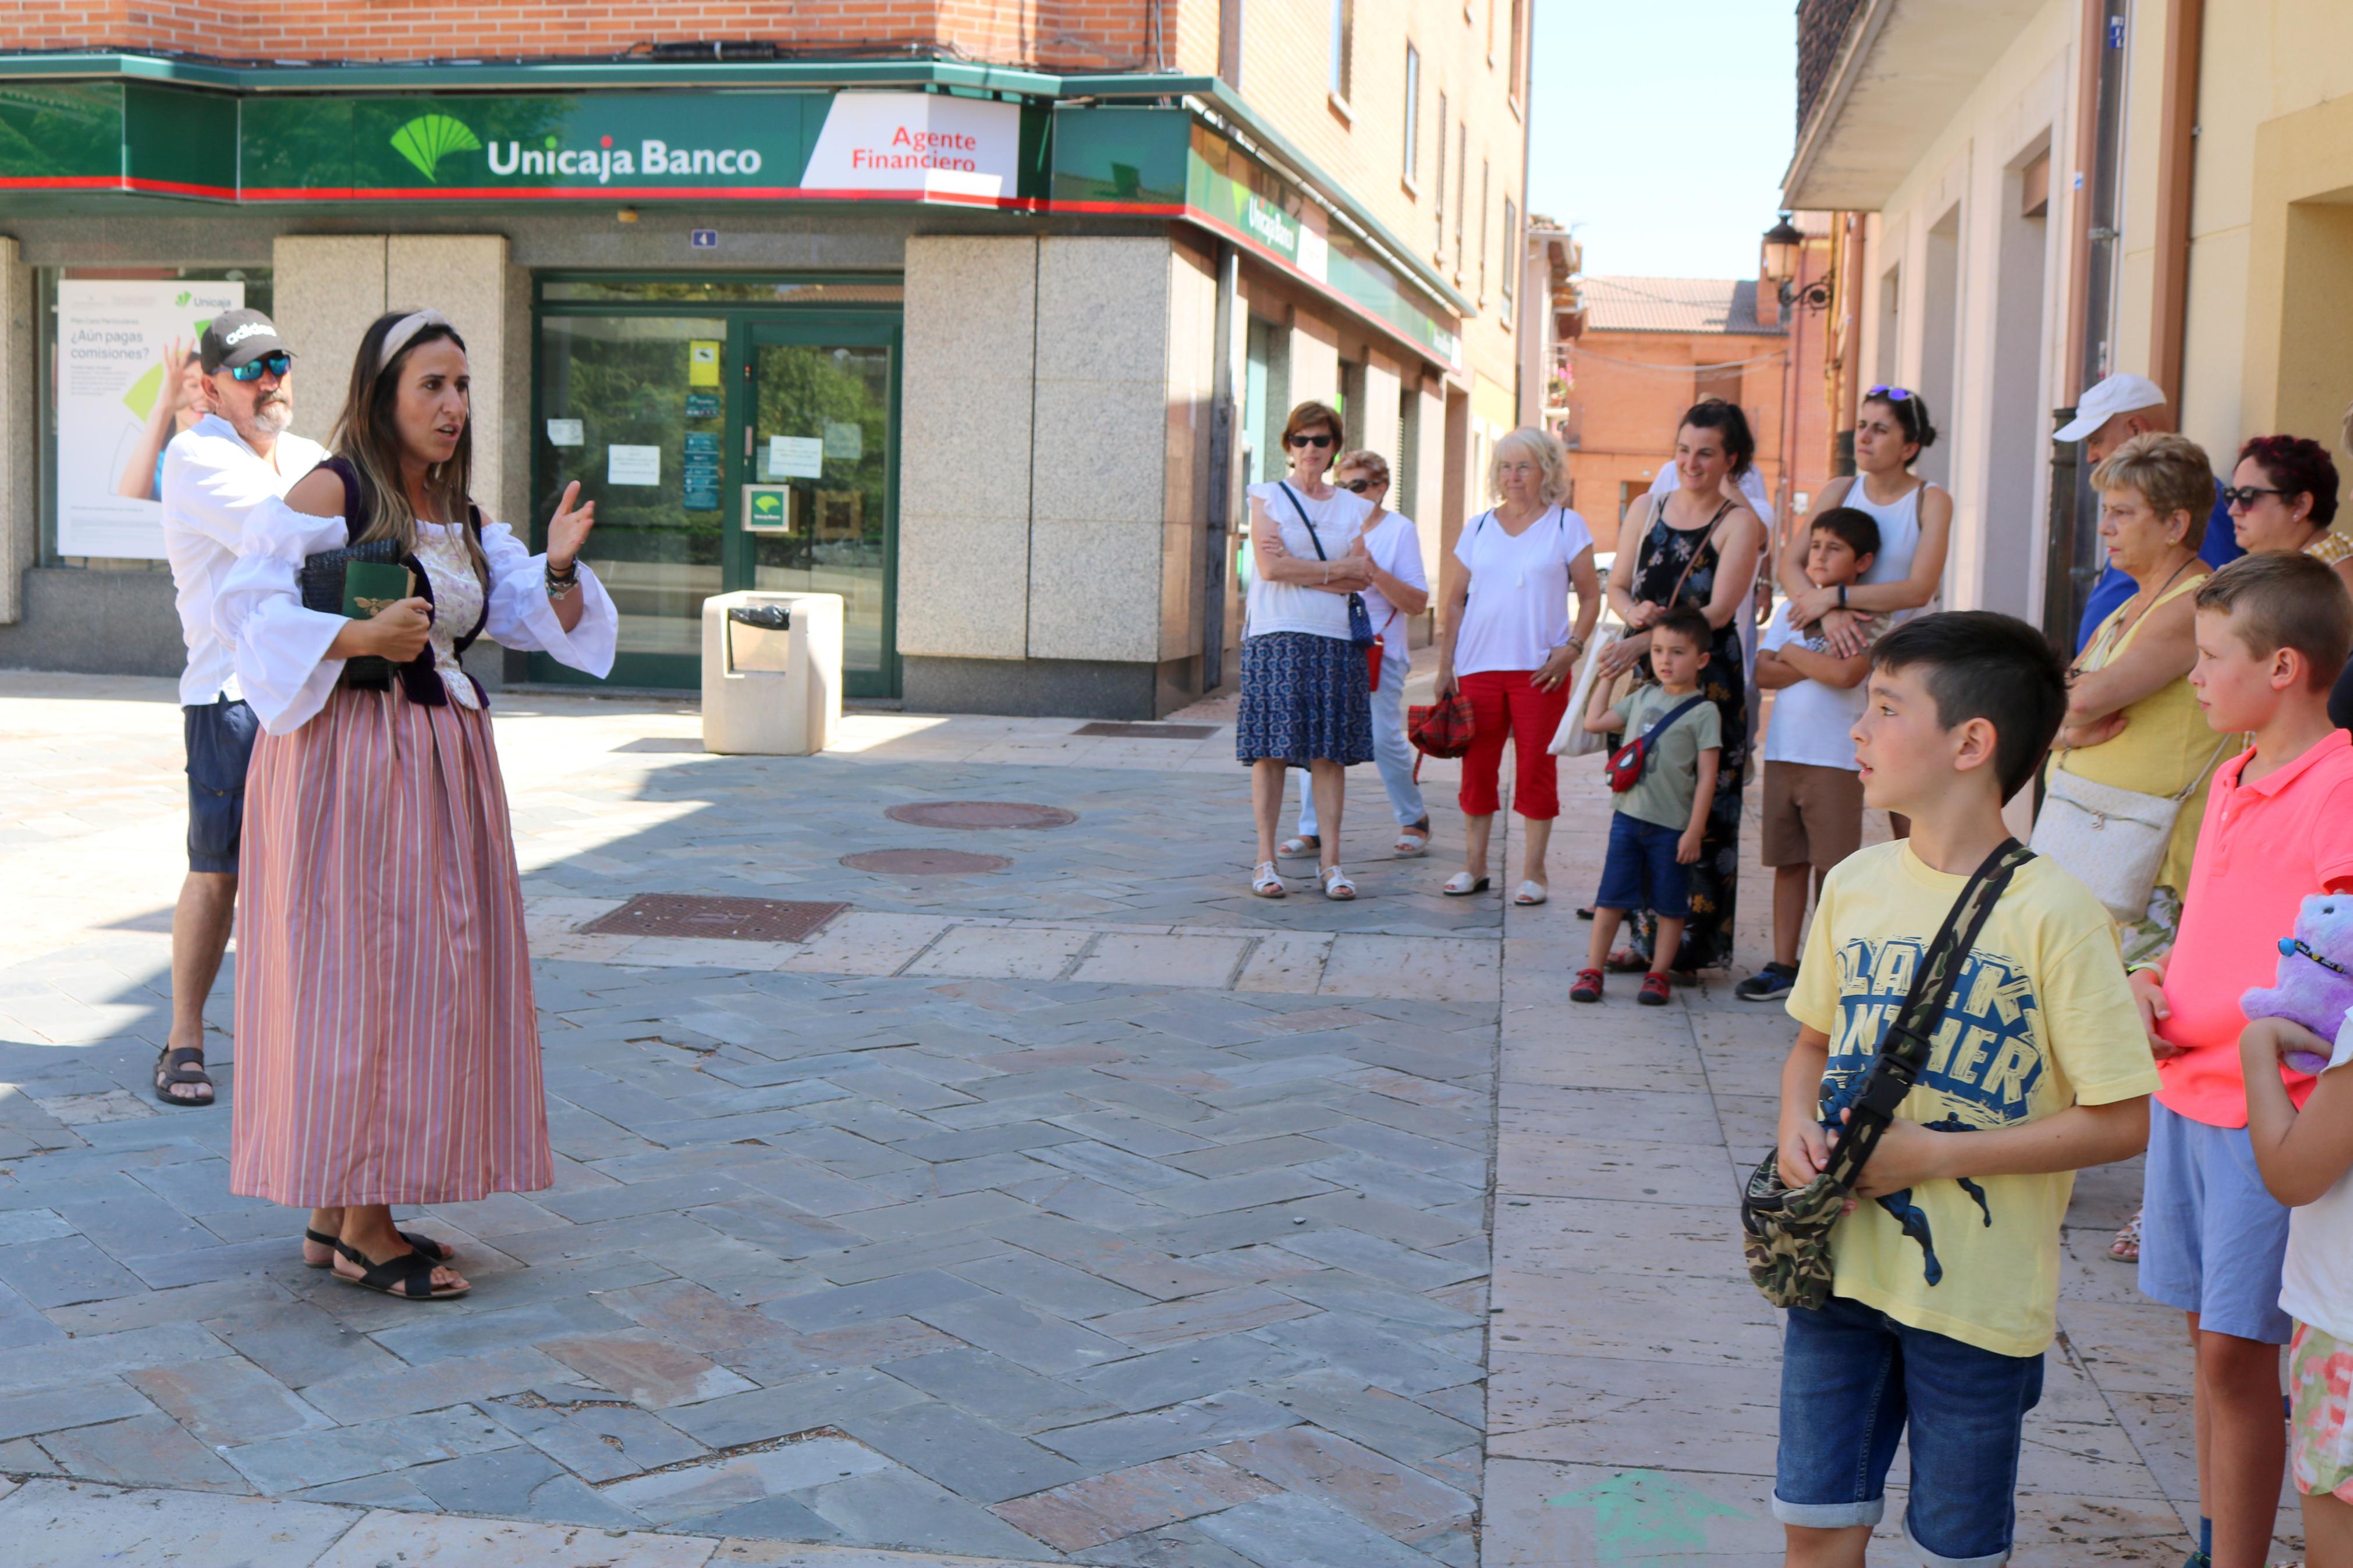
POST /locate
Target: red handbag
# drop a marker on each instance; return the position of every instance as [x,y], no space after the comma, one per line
[1373,657]
[1443,729]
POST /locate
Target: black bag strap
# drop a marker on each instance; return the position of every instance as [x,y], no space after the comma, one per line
[1903,1050]
[1300,506]
[1651,736]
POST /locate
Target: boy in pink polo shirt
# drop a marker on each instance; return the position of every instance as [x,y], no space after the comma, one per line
[2273,632]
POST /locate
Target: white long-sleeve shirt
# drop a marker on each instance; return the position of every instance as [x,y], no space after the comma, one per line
[212,481]
[280,647]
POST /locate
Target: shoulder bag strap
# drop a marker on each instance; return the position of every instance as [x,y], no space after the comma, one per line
[1903,1050]
[1312,537]
[1651,736]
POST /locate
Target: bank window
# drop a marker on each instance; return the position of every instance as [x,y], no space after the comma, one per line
[118,379]
[1413,114]
[720,291]
[1438,245]
[1344,46]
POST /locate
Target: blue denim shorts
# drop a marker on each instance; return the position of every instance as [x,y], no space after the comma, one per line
[1642,872]
[1853,1379]
[220,745]
[2211,1238]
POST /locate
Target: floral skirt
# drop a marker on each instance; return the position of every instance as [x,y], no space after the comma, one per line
[1304,699]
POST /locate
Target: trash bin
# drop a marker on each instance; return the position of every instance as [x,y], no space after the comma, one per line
[771,672]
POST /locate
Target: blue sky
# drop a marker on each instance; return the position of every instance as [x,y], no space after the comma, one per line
[1661,128]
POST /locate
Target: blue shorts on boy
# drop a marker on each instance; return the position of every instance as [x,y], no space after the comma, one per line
[1649,820]
[2212,1237]
[1945,1295]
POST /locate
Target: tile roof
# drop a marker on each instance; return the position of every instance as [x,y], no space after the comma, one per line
[1725,305]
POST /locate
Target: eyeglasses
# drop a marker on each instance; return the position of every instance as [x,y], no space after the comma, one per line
[1892,393]
[1322,440]
[2242,497]
[1360,486]
[276,364]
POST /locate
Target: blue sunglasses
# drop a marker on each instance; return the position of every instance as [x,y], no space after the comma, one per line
[276,364]
[1892,393]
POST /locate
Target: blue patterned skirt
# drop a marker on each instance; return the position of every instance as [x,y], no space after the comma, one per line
[1303,700]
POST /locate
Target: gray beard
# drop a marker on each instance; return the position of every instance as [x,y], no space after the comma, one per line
[272,419]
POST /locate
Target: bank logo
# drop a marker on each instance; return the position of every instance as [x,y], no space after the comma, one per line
[428,139]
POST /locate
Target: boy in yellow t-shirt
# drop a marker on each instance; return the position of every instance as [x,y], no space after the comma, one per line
[1946,1267]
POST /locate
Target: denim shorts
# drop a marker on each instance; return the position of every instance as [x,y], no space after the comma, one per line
[2211,1238]
[219,736]
[1853,1379]
[1642,872]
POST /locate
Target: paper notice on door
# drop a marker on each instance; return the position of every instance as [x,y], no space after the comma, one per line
[702,362]
[845,438]
[795,456]
[564,433]
[633,465]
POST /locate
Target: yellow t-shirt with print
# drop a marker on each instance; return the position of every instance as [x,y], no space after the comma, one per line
[2040,1019]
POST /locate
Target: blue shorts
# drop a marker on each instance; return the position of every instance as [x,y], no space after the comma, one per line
[2211,1238]
[1642,872]
[1854,1381]
[219,736]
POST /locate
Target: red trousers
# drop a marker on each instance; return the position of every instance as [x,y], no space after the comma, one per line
[1504,703]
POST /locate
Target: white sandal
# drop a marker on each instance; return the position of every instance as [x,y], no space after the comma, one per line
[1336,886]
[1531,894]
[1462,884]
[1413,839]
[1267,883]
[1299,848]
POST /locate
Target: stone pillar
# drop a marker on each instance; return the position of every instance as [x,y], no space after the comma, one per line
[1315,363]
[966,387]
[325,290]
[20,502]
[1378,428]
[466,277]
[1099,452]
[1429,469]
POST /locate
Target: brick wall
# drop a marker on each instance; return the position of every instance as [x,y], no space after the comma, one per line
[1056,34]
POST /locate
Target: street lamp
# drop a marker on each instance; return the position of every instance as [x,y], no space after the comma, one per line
[1783,244]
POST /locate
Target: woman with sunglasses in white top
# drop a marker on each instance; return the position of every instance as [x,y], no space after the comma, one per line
[1305,697]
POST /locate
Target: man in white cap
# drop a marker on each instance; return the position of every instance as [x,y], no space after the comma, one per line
[2107,416]
[215,472]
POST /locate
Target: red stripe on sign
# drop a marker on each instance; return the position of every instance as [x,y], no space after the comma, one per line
[617,193]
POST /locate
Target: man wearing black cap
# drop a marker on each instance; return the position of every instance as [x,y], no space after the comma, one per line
[215,472]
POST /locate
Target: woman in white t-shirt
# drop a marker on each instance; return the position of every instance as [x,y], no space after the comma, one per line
[1508,647]
[1305,698]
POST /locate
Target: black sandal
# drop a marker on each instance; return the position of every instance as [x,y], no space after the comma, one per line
[172,1068]
[425,1245]
[409,1276]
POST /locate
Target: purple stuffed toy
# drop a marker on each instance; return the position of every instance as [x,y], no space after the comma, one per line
[2315,975]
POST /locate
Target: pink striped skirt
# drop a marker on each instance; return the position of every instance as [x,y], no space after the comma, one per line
[387,1045]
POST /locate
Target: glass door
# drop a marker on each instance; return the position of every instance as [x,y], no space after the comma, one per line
[818,426]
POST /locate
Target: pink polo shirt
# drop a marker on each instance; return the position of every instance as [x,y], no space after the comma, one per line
[2261,849]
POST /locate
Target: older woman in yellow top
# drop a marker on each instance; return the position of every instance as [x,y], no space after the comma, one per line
[2132,718]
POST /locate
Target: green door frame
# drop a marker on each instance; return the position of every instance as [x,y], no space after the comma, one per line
[747,321]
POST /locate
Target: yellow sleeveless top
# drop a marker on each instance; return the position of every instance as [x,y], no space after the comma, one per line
[2164,743]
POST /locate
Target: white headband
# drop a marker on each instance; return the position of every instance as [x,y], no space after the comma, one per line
[408,326]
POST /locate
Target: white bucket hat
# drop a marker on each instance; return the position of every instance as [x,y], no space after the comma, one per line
[2119,393]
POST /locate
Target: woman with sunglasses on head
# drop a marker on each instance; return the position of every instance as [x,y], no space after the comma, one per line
[1305,697]
[1697,545]
[1916,525]
[1399,589]
[1508,647]
[387,1042]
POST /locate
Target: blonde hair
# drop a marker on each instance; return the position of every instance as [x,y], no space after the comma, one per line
[1540,445]
[2171,472]
[1365,461]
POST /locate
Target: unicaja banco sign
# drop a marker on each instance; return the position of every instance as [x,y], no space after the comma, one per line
[605,162]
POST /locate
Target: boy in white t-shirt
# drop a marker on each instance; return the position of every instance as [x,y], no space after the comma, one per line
[1813,795]
[2307,1162]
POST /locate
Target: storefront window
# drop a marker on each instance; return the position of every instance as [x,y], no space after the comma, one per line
[717,291]
[119,380]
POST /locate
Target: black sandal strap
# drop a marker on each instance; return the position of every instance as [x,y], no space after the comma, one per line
[174,1068]
[437,1251]
[408,1274]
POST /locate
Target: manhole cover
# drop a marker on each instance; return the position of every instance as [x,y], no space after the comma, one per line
[739,919]
[1127,732]
[924,862]
[980,814]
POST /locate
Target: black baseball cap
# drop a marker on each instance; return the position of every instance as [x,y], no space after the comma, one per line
[237,337]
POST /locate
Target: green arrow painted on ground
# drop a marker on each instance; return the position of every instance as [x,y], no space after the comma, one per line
[1637,1509]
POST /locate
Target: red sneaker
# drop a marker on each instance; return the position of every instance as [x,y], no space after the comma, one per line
[1655,990]
[1587,987]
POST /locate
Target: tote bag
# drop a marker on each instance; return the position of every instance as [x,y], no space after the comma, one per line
[1572,738]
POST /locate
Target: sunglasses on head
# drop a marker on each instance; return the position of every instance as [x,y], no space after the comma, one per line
[276,364]
[2243,497]
[1322,440]
[1892,393]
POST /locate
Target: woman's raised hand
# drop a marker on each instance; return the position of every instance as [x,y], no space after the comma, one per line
[567,530]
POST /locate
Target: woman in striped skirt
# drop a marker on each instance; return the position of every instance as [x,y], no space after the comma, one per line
[387,1041]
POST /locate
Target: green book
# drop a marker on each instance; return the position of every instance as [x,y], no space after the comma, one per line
[369,587]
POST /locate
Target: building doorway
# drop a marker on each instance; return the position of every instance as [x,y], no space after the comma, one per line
[733,434]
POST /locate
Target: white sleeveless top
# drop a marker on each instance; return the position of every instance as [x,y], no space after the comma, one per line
[1899,530]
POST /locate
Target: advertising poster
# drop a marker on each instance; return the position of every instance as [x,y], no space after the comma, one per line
[127,383]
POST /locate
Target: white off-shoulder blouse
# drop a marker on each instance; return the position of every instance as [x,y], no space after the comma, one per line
[281,648]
